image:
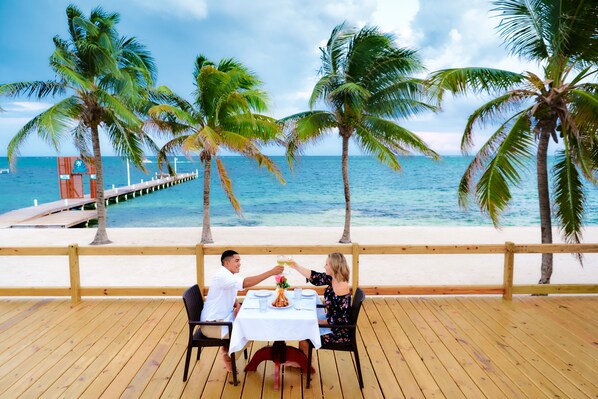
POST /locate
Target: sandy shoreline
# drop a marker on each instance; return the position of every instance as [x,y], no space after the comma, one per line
[375,270]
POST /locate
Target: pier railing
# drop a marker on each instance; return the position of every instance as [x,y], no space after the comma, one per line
[355,250]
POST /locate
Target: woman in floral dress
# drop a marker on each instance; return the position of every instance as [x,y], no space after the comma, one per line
[337,297]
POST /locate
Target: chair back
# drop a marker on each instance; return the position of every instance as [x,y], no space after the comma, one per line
[193,302]
[358,298]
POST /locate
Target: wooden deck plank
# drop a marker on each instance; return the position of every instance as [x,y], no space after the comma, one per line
[44,361]
[120,359]
[457,373]
[485,347]
[490,362]
[148,368]
[403,359]
[526,372]
[490,387]
[167,368]
[564,336]
[20,312]
[580,326]
[564,362]
[82,373]
[135,362]
[554,371]
[60,364]
[435,366]
[23,356]
[97,365]
[14,340]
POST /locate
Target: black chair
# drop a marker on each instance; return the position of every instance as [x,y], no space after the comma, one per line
[358,298]
[194,305]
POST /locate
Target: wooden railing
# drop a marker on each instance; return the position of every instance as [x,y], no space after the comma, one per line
[355,250]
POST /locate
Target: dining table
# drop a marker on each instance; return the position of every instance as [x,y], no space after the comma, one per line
[297,321]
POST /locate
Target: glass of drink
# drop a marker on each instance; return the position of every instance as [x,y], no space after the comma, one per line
[264,303]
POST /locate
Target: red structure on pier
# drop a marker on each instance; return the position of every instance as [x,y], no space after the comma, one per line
[70,177]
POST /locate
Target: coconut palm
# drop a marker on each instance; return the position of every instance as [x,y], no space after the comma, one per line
[365,83]
[104,78]
[531,110]
[223,116]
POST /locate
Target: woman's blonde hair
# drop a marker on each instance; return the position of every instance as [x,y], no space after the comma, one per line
[338,266]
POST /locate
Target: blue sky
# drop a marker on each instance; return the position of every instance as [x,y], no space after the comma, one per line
[278,39]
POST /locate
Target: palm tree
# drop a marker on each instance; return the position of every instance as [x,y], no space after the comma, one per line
[107,77]
[222,117]
[365,82]
[531,110]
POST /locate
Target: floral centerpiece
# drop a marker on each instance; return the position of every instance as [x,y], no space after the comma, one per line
[281,300]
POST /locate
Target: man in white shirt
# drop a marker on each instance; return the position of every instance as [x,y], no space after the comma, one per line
[221,303]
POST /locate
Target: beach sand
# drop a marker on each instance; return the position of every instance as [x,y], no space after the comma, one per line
[374,270]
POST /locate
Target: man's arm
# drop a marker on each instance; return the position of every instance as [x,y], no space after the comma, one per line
[254,280]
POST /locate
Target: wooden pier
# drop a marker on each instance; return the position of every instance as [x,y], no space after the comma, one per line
[70,212]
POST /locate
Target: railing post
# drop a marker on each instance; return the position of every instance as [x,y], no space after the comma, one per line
[508,271]
[199,264]
[74,274]
[355,257]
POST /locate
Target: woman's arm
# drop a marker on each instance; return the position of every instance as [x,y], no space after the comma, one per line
[305,272]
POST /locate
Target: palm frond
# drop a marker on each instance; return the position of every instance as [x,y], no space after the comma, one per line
[39,89]
[523,27]
[227,186]
[400,99]
[50,125]
[478,80]
[492,191]
[491,112]
[569,197]
[396,138]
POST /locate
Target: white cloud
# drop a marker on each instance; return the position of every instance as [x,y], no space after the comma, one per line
[196,9]
[26,106]
[442,142]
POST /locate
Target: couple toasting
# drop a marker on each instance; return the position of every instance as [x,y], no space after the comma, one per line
[221,303]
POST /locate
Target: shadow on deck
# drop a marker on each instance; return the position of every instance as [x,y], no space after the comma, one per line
[453,347]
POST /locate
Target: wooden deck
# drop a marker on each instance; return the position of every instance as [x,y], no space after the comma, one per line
[448,347]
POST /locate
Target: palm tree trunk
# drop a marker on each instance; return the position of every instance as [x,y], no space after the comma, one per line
[346,238]
[206,232]
[544,200]
[101,237]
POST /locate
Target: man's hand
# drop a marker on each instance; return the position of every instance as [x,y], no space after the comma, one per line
[236,308]
[277,270]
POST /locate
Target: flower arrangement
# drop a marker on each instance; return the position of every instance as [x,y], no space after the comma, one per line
[281,300]
[281,281]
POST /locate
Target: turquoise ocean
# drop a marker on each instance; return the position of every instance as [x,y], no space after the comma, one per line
[424,193]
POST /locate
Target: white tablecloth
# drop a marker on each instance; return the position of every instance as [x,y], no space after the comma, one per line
[290,324]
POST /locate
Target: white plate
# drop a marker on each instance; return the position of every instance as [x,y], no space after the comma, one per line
[290,305]
[262,293]
[308,293]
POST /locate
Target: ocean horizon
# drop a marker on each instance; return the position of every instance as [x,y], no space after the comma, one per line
[424,193]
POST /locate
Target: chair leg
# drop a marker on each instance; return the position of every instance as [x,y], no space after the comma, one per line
[245,353]
[232,360]
[309,354]
[358,367]
[187,359]
[198,352]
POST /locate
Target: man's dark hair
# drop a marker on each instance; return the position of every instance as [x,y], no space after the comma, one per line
[227,254]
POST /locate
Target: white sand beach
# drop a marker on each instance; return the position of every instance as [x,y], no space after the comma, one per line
[375,269]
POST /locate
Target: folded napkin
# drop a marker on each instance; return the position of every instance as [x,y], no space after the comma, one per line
[251,303]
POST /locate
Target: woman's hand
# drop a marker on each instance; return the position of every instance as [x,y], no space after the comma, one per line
[302,270]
